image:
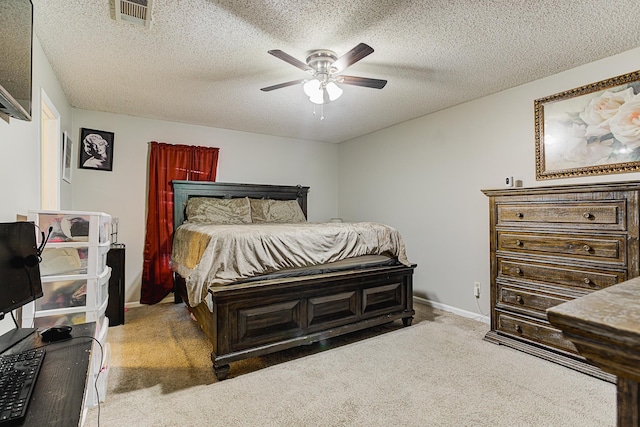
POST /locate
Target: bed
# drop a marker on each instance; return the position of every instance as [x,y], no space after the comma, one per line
[263,314]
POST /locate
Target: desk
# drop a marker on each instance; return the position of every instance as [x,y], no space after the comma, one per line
[605,327]
[58,397]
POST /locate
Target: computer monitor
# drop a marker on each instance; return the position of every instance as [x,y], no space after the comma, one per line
[19,274]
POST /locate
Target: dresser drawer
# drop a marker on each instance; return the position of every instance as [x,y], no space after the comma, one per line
[518,298]
[554,274]
[538,331]
[596,248]
[605,215]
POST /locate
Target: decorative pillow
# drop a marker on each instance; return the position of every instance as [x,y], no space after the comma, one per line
[278,211]
[219,211]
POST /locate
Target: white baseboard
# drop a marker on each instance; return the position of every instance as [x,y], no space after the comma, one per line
[454,310]
[133,304]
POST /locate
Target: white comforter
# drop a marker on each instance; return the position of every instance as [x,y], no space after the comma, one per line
[213,255]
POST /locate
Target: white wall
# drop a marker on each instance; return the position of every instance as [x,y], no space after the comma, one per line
[424,177]
[20,145]
[20,149]
[244,157]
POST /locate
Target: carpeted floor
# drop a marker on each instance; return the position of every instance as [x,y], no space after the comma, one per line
[438,372]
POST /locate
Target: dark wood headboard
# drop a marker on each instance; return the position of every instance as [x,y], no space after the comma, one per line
[183,190]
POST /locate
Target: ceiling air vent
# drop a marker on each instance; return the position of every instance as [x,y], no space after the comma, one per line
[134,11]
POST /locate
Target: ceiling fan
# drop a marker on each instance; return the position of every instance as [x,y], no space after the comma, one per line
[326,70]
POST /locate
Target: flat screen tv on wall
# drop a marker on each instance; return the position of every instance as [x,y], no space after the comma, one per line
[16,39]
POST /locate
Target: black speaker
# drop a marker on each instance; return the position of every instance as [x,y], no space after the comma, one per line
[115,306]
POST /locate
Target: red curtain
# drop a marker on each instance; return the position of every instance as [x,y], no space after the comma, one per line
[167,163]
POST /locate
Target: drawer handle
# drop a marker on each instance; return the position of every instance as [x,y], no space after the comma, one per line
[518,270]
[518,329]
[587,215]
[519,299]
[586,280]
[519,215]
[519,243]
[587,248]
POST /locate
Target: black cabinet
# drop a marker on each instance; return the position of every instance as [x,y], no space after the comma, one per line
[115,306]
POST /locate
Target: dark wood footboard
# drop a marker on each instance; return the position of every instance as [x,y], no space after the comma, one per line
[260,318]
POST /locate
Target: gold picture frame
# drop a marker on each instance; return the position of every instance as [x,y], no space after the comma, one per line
[590,130]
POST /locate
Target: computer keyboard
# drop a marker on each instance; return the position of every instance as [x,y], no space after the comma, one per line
[18,374]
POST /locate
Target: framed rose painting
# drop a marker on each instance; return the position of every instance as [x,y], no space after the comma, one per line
[590,130]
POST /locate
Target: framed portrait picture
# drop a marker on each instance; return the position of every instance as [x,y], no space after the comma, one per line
[96,149]
[590,130]
[67,149]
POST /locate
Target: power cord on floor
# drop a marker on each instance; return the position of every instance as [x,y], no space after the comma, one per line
[483,317]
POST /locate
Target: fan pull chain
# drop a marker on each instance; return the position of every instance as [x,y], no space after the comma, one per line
[321,111]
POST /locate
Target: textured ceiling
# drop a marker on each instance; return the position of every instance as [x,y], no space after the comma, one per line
[204,61]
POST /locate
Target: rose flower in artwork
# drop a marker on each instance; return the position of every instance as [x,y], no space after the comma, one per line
[602,109]
[612,124]
[625,125]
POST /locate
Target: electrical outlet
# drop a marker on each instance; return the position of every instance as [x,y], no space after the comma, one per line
[476,289]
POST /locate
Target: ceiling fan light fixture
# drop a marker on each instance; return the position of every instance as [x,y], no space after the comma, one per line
[321,95]
[334,91]
[318,97]
[312,87]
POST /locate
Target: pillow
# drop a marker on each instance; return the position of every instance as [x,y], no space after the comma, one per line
[278,211]
[219,211]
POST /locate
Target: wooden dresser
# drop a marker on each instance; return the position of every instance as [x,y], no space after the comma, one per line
[550,245]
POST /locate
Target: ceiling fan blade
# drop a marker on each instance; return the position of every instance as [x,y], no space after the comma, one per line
[290,59]
[351,57]
[281,85]
[362,81]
